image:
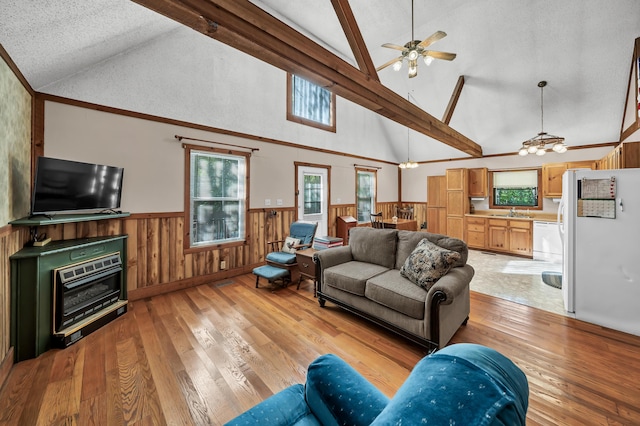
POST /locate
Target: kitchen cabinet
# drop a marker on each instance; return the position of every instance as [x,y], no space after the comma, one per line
[552,176]
[436,191]
[437,204]
[437,220]
[457,201]
[511,236]
[520,237]
[624,156]
[476,232]
[478,182]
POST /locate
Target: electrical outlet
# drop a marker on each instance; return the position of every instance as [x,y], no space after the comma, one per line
[223,264]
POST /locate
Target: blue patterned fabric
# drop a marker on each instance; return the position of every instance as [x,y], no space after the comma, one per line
[446,388]
[287,407]
[461,385]
[339,395]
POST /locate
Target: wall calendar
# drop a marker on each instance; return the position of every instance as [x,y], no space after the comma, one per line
[596,198]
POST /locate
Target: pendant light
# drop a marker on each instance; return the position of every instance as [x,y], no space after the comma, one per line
[538,144]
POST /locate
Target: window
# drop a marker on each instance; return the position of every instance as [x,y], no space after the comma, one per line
[365,194]
[310,104]
[312,194]
[515,188]
[217,196]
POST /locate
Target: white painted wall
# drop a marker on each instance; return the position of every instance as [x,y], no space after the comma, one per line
[238,93]
[154,160]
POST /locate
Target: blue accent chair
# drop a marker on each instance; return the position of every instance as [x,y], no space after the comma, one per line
[462,384]
[284,260]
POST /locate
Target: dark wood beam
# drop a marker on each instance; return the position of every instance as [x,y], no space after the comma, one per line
[246,27]
[453,101]
[354,37]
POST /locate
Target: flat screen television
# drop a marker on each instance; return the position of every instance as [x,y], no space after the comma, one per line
[68,186]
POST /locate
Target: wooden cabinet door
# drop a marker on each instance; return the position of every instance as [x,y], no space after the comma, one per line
[455,227]
[520,241]
[436,191]
[497,233]
[476,235]
[478,182]
[437,220]
[552,179]
[581,165]
[455,203]
[520,237]
[456,179]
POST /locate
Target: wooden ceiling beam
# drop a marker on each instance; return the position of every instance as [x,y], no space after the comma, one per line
[354,37]
[448,113]
[248,28]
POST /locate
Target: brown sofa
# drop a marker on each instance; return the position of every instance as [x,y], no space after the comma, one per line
[364,278]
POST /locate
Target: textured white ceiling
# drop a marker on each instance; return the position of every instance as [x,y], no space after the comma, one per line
[583,49]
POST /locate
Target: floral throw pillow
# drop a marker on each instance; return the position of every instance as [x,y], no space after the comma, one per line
[289,244]
[427,263]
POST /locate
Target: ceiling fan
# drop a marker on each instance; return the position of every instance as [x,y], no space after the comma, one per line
[415,49]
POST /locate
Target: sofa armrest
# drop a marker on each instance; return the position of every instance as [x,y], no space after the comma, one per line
[337,394]
[452,284]
[334,256]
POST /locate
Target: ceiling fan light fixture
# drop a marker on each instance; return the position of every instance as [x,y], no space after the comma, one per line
[397,65]
[413,68]
[537,145]
[413,54]
[428,59]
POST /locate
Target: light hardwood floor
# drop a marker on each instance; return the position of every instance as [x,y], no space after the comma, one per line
[206,354]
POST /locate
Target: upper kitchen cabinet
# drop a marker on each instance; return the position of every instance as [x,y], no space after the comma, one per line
[478,182]
[552,176]
[624,156]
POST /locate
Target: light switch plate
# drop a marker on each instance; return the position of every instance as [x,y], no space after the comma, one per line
[267,202]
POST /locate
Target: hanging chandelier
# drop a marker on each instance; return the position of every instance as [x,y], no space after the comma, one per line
[538,144]
[408,164]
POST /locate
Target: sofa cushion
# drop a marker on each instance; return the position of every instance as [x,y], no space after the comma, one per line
[398,293]
[377,246]
[351,276]
[427,263]
[408,240]
[281,257]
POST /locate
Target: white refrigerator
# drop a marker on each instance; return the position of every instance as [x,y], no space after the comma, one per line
[599,222]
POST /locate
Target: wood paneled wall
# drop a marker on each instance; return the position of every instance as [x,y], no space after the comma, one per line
[156,260]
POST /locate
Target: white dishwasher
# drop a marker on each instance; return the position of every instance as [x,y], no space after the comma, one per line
[547,244]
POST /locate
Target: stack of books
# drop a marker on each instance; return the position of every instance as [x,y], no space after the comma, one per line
[321,243]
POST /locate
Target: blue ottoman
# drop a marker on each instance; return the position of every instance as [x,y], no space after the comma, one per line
[270,273]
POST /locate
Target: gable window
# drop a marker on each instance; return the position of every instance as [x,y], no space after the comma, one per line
[515,189]
[217,201]
[310,104]
[365,194]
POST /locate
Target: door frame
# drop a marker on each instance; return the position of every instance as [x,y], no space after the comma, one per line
[327,202]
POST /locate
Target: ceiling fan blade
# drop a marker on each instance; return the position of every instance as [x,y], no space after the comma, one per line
[432,39]
[386,64]
[393,46]
[439,55]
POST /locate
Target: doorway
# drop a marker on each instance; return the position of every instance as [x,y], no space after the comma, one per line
[312,196]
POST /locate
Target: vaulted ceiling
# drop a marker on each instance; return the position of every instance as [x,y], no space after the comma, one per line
[583,48]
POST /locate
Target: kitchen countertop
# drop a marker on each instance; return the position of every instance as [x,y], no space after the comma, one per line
[520,215]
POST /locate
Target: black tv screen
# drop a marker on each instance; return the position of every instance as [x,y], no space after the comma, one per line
[63,185]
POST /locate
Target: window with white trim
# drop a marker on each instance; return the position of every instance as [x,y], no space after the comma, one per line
[217,196]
